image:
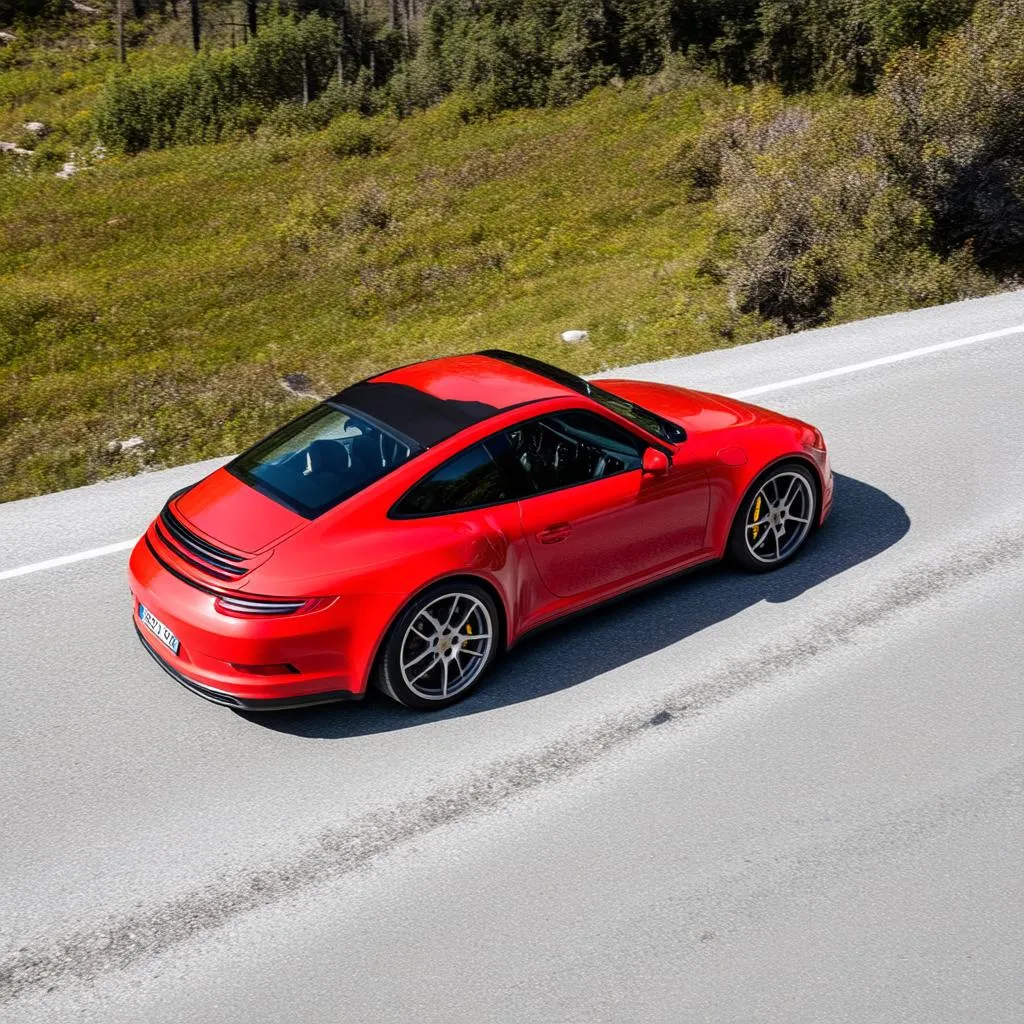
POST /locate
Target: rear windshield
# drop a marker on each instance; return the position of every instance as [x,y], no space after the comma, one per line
[320,459]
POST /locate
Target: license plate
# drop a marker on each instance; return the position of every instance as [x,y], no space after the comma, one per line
[158,629]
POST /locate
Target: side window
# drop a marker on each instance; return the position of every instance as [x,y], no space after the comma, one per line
[571,448]
[473,478]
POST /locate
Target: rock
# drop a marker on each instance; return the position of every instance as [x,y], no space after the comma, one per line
[83,8]
[298,385]
[67,170]
[128,445]
[7,37]
[575,336]
[13,147]
[35,127]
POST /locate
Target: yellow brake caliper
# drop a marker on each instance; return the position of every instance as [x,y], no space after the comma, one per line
[469,629]
[757,516]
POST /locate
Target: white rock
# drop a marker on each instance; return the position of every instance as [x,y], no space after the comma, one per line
[67,170]
[7,37]
[132,442]
[83,8]
[575,336]
[13,147]
[35,127]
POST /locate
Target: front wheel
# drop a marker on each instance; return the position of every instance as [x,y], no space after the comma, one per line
[775,518]
[440,646]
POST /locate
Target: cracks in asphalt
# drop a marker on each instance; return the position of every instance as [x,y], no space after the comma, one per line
[125,941]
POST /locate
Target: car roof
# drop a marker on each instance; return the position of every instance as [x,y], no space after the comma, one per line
[431,401]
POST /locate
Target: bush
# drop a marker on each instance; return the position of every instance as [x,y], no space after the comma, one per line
[812,219]
[352,135]
[370,210]
[901,199]
[950,127]
[221,93]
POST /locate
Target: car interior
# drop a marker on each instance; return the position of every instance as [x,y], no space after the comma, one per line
[560,451]
[336,457]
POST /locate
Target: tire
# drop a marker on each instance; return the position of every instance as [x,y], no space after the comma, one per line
[427,664]
[775,518]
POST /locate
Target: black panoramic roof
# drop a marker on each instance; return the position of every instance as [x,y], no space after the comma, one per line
[422,418]
[553,373]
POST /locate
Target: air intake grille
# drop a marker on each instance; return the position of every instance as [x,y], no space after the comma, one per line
[197,552]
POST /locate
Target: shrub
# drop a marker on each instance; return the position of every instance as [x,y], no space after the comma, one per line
[370,209]
[352,135]
[896,200]
[220,93]
[950,128]
[810,214]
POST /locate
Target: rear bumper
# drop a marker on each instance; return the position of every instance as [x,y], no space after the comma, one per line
[321,649]
[243,703]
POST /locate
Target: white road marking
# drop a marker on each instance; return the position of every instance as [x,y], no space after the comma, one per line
[80,556]
[839,371]
[899,357]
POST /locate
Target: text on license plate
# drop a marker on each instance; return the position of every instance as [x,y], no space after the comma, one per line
[158,629]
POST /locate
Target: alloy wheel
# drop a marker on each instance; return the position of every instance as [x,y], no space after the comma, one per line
[779,517]
[446,645]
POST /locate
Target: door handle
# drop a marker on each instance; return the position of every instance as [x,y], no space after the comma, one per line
[554,533]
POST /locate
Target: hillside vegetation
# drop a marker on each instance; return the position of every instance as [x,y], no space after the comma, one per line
[247,223]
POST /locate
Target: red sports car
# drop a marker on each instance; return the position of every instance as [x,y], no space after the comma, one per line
[411,528]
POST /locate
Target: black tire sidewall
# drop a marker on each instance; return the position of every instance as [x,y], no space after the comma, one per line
[738,553]
[388,677]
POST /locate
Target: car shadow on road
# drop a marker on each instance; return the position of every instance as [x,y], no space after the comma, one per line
[864,523]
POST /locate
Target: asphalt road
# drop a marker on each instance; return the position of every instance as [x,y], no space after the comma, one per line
[797,797]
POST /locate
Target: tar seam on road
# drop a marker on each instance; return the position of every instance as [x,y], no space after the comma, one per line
[122,942]
[839,371]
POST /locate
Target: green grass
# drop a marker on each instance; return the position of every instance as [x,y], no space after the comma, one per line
[165,295]
[57,79]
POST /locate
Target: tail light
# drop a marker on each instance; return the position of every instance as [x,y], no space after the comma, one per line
[236,605]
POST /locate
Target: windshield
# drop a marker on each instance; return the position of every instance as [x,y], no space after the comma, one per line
[644,418]
[320,459]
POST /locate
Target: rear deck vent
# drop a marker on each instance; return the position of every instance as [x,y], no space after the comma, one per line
[196,551]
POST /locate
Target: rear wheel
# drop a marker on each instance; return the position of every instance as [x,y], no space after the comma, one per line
[775,518]
[440,646]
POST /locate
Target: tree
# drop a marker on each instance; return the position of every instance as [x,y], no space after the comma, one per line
[119,17]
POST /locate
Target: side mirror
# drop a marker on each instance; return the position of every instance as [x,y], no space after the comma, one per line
[655,461]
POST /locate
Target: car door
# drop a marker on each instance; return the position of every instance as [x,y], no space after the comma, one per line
[599,519]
